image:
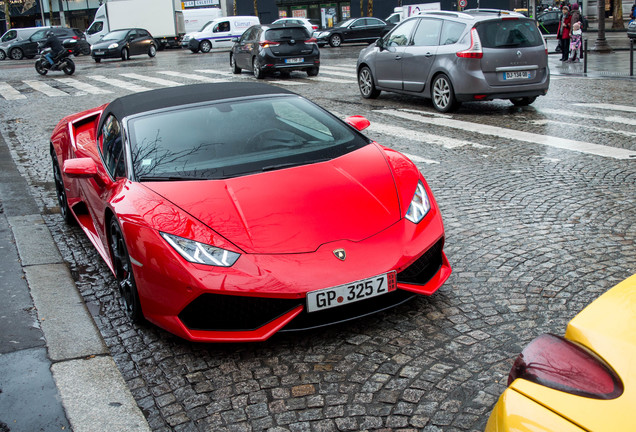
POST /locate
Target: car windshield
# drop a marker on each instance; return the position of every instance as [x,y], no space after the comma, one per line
[344,23]
[297,33]
[234,138]
[115,35]
[509,33]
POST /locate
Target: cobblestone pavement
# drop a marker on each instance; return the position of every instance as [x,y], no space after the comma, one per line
[534,233]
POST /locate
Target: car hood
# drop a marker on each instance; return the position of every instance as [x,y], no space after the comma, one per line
[103,43]
[295,210]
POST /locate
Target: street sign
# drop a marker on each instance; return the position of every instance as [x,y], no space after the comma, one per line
[463,3]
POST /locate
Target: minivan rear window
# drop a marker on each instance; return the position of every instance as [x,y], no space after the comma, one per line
[515,33]
[281,34]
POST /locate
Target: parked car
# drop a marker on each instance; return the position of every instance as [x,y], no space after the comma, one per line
[28,48]
[548,22]
[580,382]
[14,35]
[353,30]
[451,57]
[123,44]
[214,207]
[308,24]
[218,33]
[631,29]
[276,47]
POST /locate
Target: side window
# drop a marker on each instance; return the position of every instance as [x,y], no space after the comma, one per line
[131,35]
[223,26]
[142,33]
[358,23]
[113,148]
[402,34]
[374,22]
[10,35]
[427,32]
[451,31]
[248,34]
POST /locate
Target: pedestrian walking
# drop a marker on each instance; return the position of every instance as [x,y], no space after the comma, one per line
[563,33]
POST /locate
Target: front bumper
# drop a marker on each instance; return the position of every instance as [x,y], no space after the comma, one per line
[106,53]
[263,294]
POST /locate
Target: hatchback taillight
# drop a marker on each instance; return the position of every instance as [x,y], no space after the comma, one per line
[474,51]
[75,37]
[560,364]
[314,27]
[267,43]
[312,40]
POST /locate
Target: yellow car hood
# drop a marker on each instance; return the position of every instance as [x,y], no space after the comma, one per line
[607,327]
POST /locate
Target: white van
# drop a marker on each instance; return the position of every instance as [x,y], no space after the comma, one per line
[195,19]
[218,33]
[15,35]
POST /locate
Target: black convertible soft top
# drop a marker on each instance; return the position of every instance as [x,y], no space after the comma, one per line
[183,95]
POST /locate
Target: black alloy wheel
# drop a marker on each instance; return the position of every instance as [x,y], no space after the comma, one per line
[124,273]
[152,50]
[125,54]
[60,191]
[40,68]
[335,40]
[68,67]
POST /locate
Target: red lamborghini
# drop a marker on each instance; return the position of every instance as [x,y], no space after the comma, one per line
[231,211]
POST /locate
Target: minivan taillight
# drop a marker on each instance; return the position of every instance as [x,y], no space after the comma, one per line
[474,51]
[266,44]
[557,363]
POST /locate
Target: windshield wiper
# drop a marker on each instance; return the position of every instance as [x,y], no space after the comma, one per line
[167,178]
[292,164]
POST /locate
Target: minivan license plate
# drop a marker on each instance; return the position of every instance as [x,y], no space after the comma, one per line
[516,75]
[294,60]
[352,292]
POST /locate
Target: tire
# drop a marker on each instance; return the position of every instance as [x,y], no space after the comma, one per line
[3,55]
[523,101]
[123,273]
[366,85]
[335,40]
[97,60]
[16,54]
[194,50]
[443,95]
[152,51]
[205,46]
[125,54]
[313,71]
[60,191]
[39,67]
[235,68]
[256,69]
[68,67]
[85,49]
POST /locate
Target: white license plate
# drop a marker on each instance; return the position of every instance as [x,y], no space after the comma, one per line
[516,75]
[351,292]
[294,60]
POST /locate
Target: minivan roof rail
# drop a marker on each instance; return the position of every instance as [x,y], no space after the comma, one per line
[499,12]
[446,13]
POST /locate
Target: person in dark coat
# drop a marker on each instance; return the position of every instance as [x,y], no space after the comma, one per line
[563,33]
[54,43]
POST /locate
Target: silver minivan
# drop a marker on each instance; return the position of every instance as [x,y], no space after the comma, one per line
[454,57]
[14,35]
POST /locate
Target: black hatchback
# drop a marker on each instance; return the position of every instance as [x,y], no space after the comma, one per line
[124,43]
[28,48]
[270,48]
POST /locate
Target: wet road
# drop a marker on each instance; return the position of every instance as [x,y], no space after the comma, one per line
[538,205]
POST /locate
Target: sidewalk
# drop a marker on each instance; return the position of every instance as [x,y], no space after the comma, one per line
[55,370]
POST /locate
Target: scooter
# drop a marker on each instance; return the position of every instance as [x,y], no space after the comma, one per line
[62,61]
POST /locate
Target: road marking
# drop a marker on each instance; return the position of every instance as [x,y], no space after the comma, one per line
[612,119]
[119,83]
[415,135]
[608,107]
[82,86]
[154,80]
[418,159]
[218,72]
[192,76]
[560,123]
[550,141]
[350,69]
[330,80]
[45,88]
[9,93]
[331,71]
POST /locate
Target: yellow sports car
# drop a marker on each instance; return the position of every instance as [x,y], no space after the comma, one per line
[585,381]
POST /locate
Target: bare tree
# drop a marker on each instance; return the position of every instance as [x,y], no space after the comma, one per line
[617,23]
[361,7]
[370,8]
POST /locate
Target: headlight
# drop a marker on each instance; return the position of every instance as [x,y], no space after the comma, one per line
[113,45]
[420,205]
[201,253]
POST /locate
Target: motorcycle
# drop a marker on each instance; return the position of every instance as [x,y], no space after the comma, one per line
[61,62]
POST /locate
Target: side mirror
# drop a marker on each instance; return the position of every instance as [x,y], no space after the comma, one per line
[80,168]
[235,40]
[360,123]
